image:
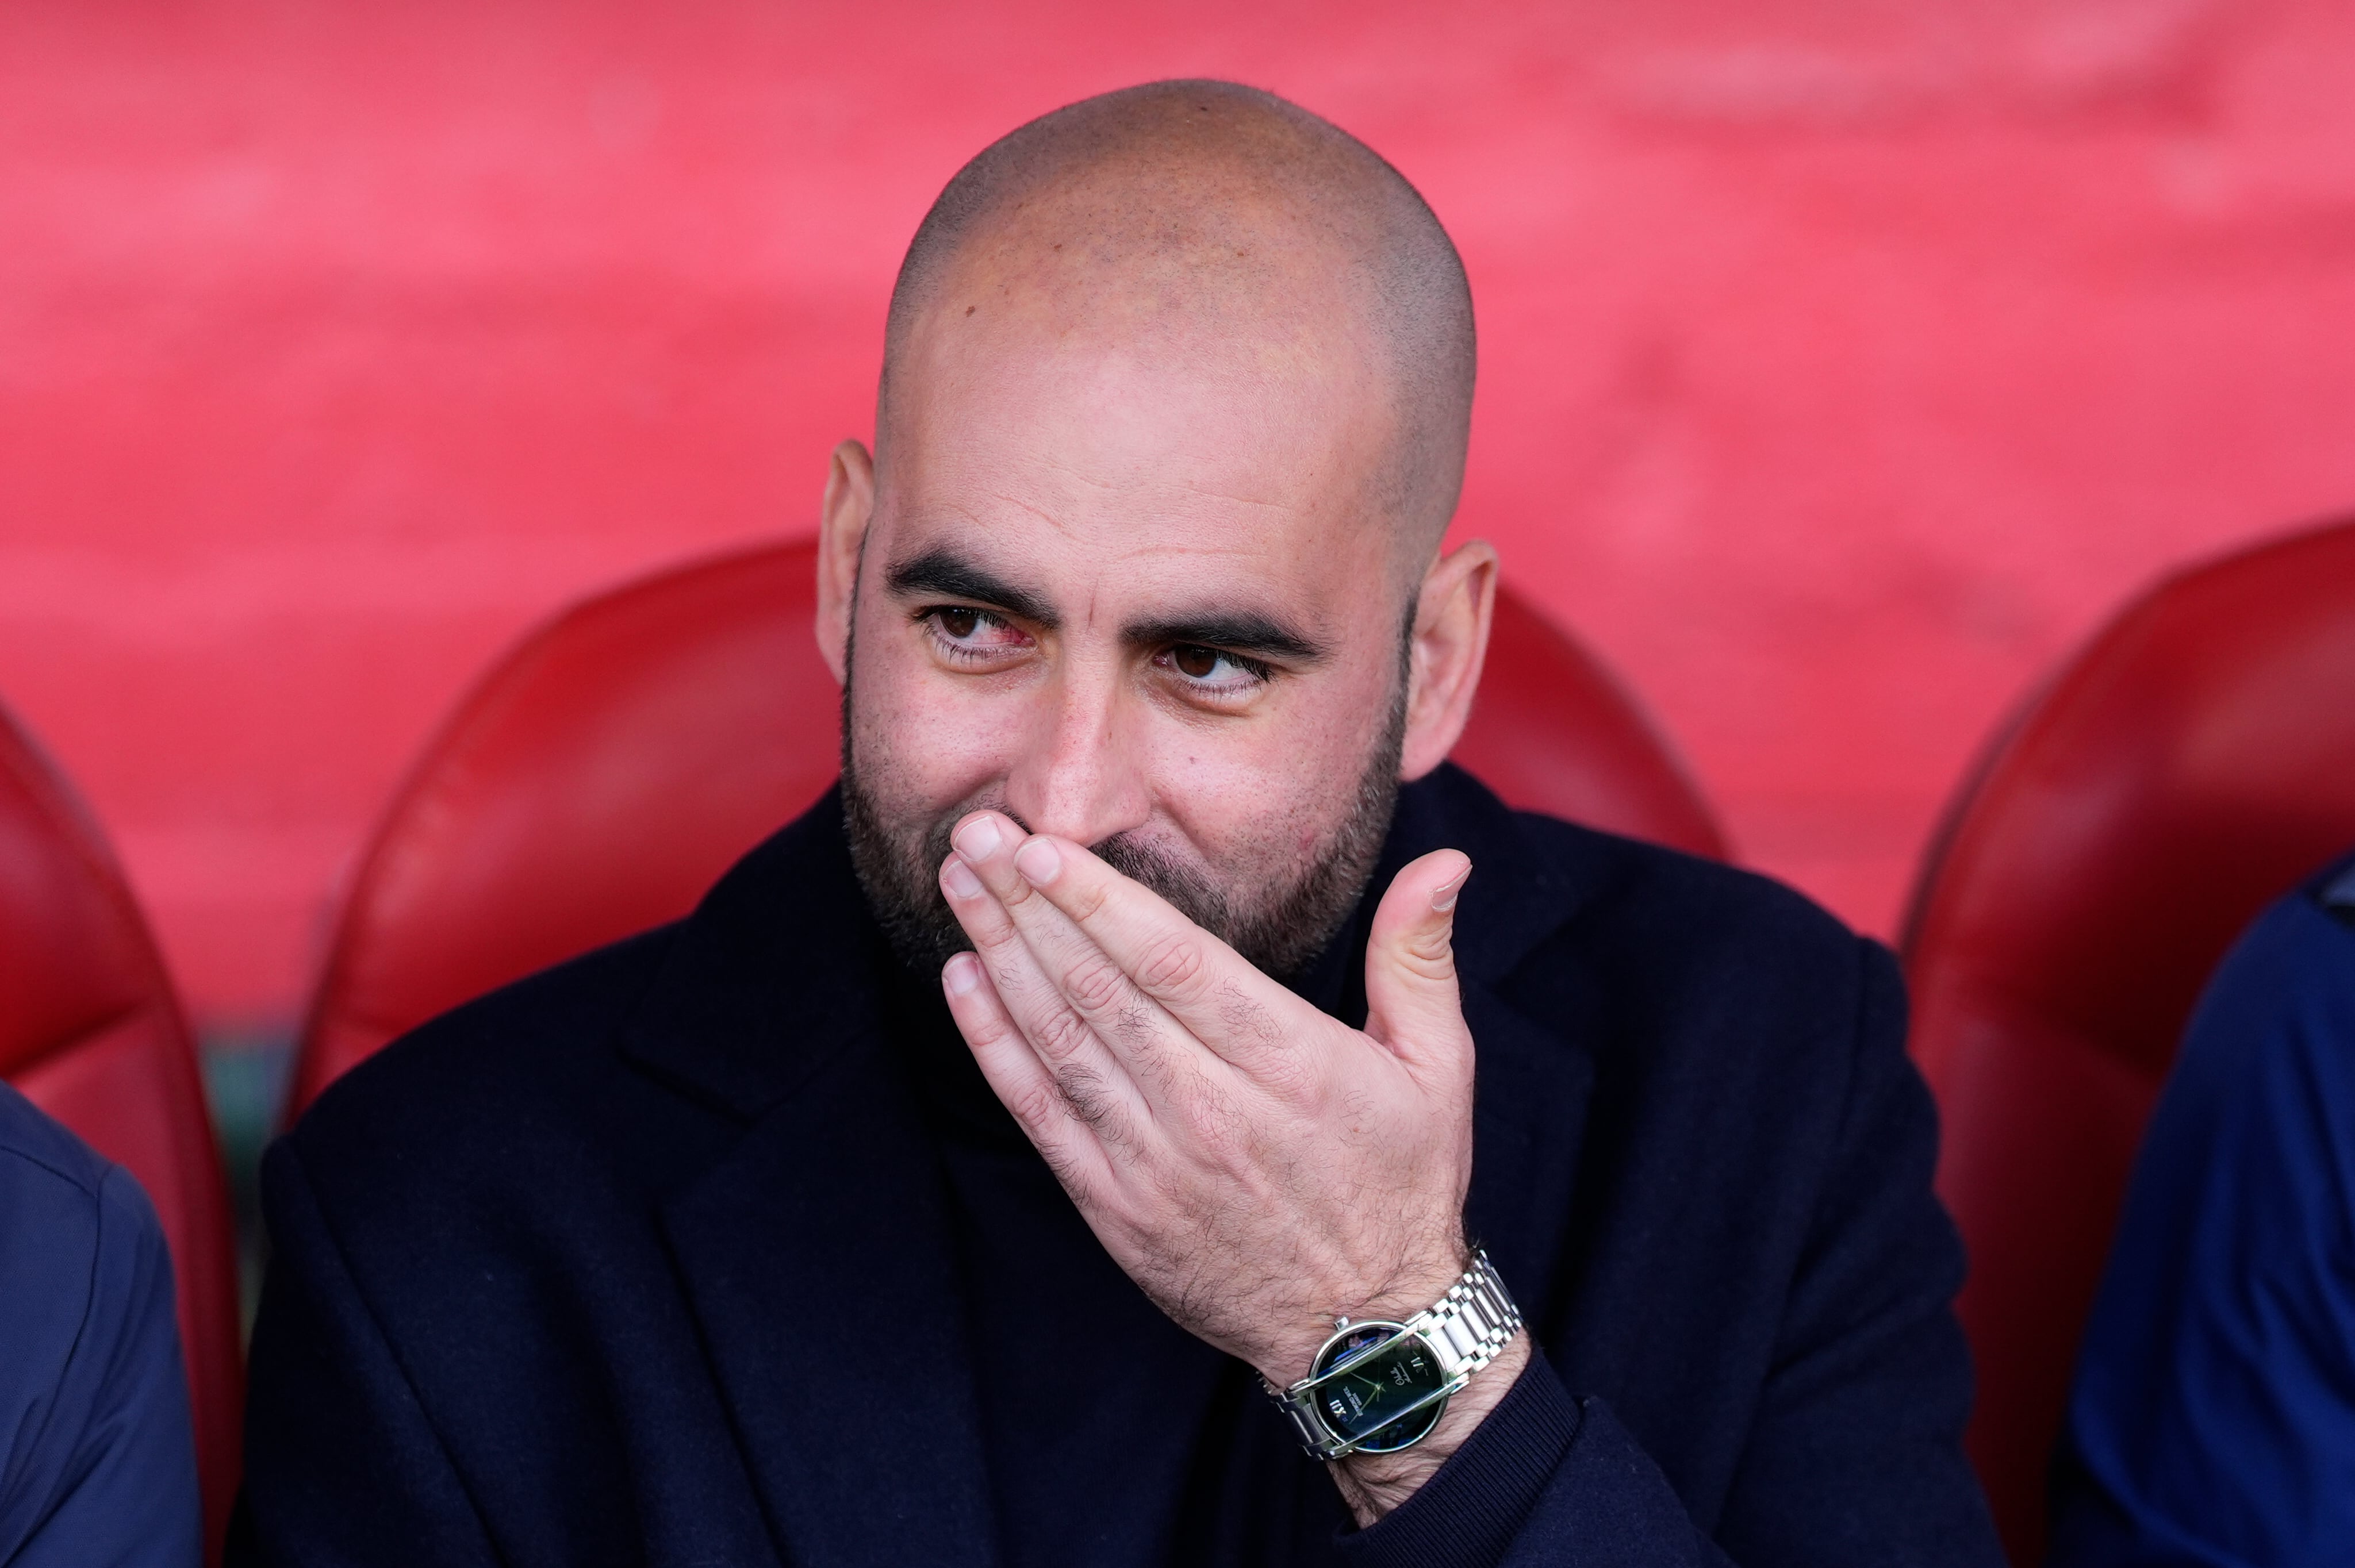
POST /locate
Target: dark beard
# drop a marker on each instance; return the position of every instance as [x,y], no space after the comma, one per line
[1278,935]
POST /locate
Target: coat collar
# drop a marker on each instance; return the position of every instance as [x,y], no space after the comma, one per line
[769,979]
[814,1254]
[1524,887]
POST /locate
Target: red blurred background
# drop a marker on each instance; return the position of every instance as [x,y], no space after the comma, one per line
[1843,362]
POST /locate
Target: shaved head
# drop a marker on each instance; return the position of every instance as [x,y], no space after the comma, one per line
[1219,231]
[1175,396]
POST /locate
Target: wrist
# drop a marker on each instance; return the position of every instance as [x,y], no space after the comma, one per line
[1374,1484]
[1388,1400]
[1408,1290]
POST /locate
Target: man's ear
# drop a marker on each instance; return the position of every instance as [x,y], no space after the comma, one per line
[1452,616]
[842,523]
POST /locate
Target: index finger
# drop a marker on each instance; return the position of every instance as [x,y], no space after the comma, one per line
[1206,985]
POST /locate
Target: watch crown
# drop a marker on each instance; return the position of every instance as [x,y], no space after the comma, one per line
[1342,1322]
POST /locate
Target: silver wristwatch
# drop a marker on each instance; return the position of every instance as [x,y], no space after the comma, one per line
[1377,1387]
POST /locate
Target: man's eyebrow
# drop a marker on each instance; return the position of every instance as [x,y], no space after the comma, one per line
[941,573]
[1235,631]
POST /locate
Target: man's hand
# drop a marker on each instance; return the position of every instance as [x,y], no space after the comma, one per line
[1256,1166]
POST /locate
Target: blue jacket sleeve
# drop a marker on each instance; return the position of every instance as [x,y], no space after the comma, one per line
[1855,1454]
[97,1454]
[2212,1421]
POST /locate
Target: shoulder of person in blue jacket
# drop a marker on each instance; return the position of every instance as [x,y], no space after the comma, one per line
[2214,1415]
[97,1454]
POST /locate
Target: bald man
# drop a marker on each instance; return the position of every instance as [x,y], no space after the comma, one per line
[1155,1111]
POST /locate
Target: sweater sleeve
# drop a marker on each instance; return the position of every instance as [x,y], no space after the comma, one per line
[1542,1472]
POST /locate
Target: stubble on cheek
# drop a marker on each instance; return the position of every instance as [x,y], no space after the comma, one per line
[1287,881]
[898,840]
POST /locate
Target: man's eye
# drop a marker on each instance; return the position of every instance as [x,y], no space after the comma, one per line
[968,633]
[1214,670]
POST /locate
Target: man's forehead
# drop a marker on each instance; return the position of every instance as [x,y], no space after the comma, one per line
[1118,438]
[1106,378]
[1018,540]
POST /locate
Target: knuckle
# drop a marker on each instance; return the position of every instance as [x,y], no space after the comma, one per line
[1096,985]
[1085,1100]
[1287,1075]
[992,1029]
[1430,954]
[1139,1037]
[1245,1018]
[1063,1036]
[1078,1088]
[1221,1126]
[1034,1105]
[1066,1173]
[1134,1024]
[1168,1188]
[1172,964]
[1085,902]
[1183,1083]
[993,943]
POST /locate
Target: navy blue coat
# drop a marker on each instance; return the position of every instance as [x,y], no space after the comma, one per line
[97,1462]
[642,1260]
[2213,1419]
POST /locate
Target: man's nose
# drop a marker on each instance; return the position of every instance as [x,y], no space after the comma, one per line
[1080,776]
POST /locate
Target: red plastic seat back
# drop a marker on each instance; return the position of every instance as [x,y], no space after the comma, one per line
[2185,770]
[91,1031]
[605,773]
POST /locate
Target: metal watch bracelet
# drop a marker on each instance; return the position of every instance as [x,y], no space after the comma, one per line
[1463,1330]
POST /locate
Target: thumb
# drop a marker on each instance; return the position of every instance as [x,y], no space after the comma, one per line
[1411,1003]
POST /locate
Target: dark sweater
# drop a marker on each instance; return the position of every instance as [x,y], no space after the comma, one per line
[710,1248]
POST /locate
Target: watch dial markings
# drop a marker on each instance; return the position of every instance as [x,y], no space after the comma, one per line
[1394,1372]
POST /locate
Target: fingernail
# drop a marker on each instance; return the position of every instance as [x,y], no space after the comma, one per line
[959,878]
[963,973]
[979,838]
[1039,863]
[1442,900]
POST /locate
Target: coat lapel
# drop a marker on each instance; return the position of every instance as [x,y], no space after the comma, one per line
[815,1254]
[817,1262]
[1529,1127]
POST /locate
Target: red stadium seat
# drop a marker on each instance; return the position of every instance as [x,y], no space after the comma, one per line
[2186,769]
[91,1031]
[606,772]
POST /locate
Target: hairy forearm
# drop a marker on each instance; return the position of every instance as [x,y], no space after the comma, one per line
[1374,1484]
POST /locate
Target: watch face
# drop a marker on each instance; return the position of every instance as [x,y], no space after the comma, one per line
[1373,1389]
